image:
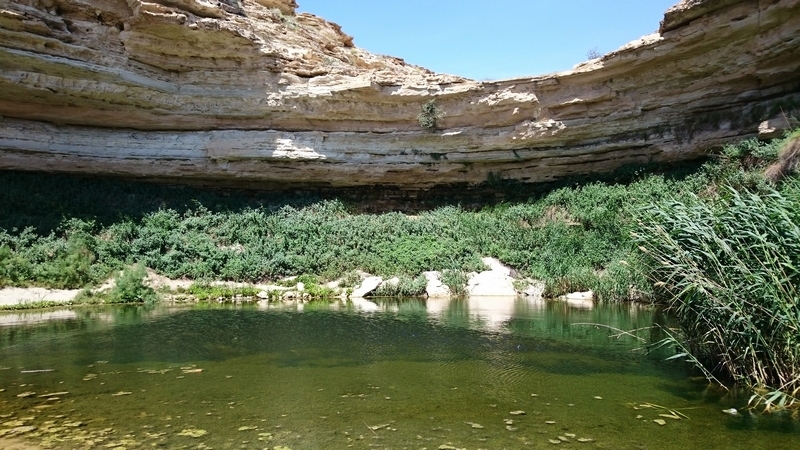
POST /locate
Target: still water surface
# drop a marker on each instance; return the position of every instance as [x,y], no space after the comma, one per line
[480,374]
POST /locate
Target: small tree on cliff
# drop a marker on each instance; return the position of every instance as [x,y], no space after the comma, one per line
[430,115]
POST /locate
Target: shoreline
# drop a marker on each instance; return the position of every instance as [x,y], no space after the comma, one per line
[496,281]
[17,296]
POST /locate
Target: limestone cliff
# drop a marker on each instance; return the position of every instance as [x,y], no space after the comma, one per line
[248,92]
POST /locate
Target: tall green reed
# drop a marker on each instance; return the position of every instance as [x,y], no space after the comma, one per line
[729,270]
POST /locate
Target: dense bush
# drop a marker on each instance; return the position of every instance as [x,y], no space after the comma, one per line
[405,287]
[728,269]
[72,232]
[129,287]
[730,272]
[456,280]
[573,239]
[206,291]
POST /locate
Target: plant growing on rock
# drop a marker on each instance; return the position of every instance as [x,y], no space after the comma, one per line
[405,287]
[430,115]
[205,291]
[456,280]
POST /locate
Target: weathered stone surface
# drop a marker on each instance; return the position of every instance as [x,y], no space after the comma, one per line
[534,291]
[246,92]
[366,287]
[435,288]
[495,282]
[15,296]
[773,128]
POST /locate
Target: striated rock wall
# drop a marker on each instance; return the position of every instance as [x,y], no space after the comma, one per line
[247,92]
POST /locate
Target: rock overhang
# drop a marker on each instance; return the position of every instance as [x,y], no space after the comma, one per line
[247,91]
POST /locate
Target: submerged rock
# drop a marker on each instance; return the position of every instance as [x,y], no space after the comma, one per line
[731,412]
[193,432]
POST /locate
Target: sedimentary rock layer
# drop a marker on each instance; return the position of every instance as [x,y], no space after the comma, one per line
[250,93]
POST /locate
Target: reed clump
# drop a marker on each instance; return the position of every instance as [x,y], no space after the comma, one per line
[728,268]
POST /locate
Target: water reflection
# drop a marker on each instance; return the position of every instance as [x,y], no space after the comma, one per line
[485,314]
[32,317]
[313,377]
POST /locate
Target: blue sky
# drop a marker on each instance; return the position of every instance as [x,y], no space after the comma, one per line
[492,39]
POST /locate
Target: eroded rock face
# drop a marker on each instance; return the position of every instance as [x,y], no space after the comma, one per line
[248,92]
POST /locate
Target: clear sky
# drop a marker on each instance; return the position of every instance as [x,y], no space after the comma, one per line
[491,39]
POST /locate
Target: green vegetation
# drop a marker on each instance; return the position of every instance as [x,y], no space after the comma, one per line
[313,290]
[37,305]
[430,116]
[405,287]
[306,279]
[69,232]
[129,287]
[350,279]
[727,266]
[208,292]
[729,273]
[717,246]
[66,261]
[456,280]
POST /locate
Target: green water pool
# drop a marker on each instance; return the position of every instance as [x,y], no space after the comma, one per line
[492,373]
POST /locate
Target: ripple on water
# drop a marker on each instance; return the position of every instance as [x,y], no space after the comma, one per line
[336,379]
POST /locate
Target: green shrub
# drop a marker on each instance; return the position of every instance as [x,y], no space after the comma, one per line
[456,280]
[130,287]
[72,268]
[14,269]
[306,279]
[317,292]
[405,287]
[350,279]
[574,279]
[430,115]
[313,287]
